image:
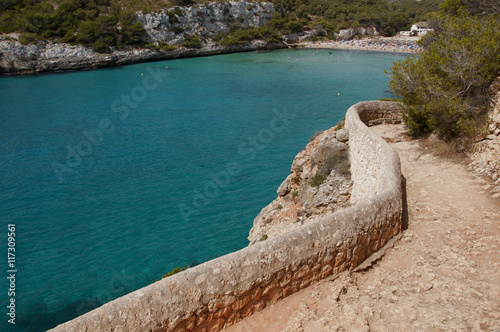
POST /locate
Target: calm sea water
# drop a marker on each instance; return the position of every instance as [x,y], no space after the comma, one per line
[114,177]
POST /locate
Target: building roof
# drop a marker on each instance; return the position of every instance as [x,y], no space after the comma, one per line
[422,24]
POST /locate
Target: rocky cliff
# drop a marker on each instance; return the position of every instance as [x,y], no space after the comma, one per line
[485,154]
[166,32]
[16,58]
[170,26]
[319,183]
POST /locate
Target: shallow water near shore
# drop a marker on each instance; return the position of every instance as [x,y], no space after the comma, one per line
[114,177]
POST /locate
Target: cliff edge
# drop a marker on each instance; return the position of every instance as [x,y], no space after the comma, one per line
[166,32]
[319,183]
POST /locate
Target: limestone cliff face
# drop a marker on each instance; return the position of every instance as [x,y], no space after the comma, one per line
[16,58]
[319,182]
[486,153]
[171,24]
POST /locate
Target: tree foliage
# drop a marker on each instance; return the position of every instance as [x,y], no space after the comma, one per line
[387,17]
[446,87]
[89,22]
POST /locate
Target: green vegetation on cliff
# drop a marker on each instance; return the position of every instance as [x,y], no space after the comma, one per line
[387,17]
[94,23]
[446,88]
[103,24]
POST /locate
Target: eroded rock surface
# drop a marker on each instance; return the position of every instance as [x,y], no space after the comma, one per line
[319,182]
[485,154]
[171,24]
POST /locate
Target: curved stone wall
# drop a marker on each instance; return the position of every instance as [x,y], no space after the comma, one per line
[222,291]
[375,166]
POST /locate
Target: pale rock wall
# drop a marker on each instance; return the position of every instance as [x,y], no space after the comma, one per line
[222,291]
[204,20]
[485,154]
[348,34]
[16,58]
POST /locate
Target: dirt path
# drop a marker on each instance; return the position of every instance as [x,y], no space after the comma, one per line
[442,275]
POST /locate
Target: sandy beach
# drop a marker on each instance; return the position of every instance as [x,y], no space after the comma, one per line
[393,45]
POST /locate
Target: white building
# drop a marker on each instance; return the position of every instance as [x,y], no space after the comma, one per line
[421,29]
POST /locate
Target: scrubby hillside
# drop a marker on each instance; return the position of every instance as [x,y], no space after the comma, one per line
[113,24]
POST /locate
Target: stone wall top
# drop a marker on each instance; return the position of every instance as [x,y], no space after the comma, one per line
[371,174]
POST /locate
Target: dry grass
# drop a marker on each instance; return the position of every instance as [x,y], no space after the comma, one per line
[441,148]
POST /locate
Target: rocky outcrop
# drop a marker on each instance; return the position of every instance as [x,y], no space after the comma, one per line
[348,34]
[171,24]
[319,183]
[16,58]
[485,154]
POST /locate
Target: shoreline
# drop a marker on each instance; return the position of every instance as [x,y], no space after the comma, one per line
[388,45]
[17,59]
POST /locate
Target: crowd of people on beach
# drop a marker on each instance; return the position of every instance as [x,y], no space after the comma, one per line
[385,45]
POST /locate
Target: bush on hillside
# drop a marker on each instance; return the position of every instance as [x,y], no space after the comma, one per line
[446,88]
[94,23]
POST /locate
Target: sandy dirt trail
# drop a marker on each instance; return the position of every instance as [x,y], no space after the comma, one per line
[443,274]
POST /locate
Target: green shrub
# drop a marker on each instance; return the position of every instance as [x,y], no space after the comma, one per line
[174,271]
[27,38]
[102,45]
[263,238]
[177,11]
[178,30]
[340,124]
[183,2]
[166,47]
[446,88]
[240,36]
[390,99]
[317,179]
[294,26]
[192,41]
[338,161]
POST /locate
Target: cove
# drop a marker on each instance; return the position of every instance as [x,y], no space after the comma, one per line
[116,176]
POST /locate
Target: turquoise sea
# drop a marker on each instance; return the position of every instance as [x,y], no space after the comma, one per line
[113,177]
